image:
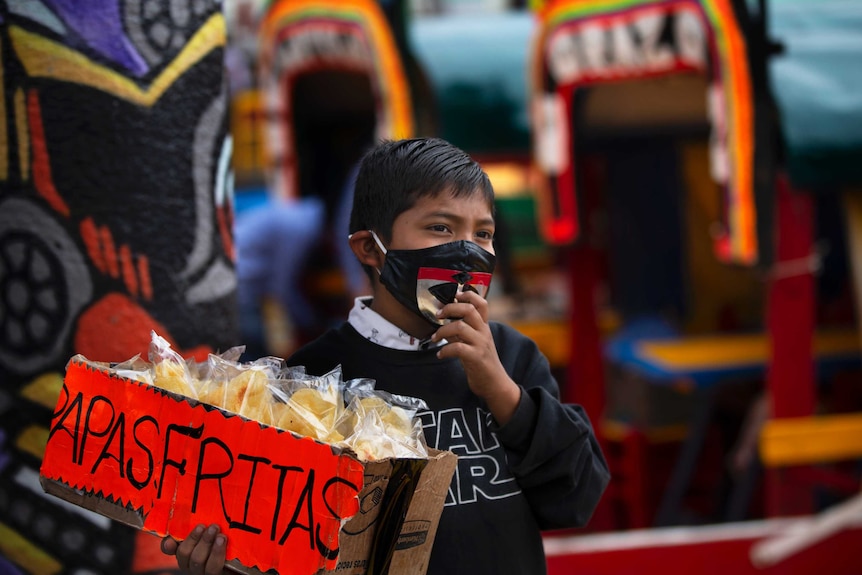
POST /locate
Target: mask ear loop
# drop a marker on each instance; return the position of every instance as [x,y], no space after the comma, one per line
[379,245]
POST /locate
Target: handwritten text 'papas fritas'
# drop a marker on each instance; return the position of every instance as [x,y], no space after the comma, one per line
[182,465]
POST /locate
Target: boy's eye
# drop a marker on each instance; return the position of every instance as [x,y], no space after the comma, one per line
[485,235]
[439,228]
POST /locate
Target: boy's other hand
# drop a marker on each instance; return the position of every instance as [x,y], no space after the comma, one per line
[201,553]
[470,340]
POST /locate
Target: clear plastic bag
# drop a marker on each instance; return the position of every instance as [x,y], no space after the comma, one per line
[134,368]
[352,414]
[170,370]
[310,406]
[385,425]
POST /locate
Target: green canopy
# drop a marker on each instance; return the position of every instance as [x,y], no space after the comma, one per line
[817,83]
[478,65]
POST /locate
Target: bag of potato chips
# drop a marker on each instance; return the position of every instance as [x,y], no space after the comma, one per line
[372,423]
[170,371]
[134,368]
[310,405]
[385,425]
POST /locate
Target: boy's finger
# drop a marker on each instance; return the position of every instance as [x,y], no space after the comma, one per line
[451,350]
[474,299]
[451,332]
[459,310]
[470,319]
[215,563]
[185,549]
[200,556]
[169,546]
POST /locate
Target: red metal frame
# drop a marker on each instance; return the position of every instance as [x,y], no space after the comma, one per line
[790,320]
[712,550]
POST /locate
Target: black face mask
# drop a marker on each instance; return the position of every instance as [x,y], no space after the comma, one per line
[425,280]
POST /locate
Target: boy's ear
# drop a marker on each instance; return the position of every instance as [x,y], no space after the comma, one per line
[365,248]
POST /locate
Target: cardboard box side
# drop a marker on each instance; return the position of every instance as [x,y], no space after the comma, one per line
[93,502]
[414,544]
[357,535]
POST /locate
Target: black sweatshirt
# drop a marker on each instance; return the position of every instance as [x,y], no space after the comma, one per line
[542,470]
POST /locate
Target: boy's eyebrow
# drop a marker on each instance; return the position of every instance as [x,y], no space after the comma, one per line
[489,221]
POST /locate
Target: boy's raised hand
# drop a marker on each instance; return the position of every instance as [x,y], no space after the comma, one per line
[471,341]
[201,553]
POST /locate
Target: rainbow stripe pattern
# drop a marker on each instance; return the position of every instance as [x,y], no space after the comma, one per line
[388,75]
[730,72]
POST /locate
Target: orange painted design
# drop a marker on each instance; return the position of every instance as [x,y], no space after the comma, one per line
[116,328]
[200,353]
[148,557]
[144,277]
[90,235]
[23,134]
[41,162]
[110,251]
[740,133]
[129,276]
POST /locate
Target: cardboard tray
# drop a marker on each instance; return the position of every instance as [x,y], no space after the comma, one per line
[164,463]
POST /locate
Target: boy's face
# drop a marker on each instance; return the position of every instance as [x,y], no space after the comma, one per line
[432,221]
[440,219]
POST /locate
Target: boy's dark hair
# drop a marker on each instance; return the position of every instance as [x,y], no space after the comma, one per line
[395,174]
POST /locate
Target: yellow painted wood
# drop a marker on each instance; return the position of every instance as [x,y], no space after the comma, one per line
[712,352]
[617,431]
[44,389]
[552,337]
[809,440]
[24,553]
[33,440]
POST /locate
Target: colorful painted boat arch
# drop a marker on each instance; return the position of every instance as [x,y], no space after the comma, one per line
[304,36]
[587,42]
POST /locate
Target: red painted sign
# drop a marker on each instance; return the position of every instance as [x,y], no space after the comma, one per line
[279,498]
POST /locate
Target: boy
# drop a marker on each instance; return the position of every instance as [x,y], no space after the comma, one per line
[422,225]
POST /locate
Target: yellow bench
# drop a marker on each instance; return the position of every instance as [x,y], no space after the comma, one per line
[811,440]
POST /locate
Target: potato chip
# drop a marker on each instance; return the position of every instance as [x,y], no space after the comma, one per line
[397,422]
[371,448]
[211,392]
[311,412]
[321,406]
[247,394]
[295,418]
[257,401]
[171,376]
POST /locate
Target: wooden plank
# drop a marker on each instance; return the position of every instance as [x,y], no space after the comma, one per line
[808,440]
[737,351]
[853,220]
[552,338]
[22,552]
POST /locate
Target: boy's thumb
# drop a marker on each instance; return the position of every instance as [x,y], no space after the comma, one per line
[169,546]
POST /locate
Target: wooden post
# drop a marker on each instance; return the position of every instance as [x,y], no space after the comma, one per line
[790,321]
[853,220]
